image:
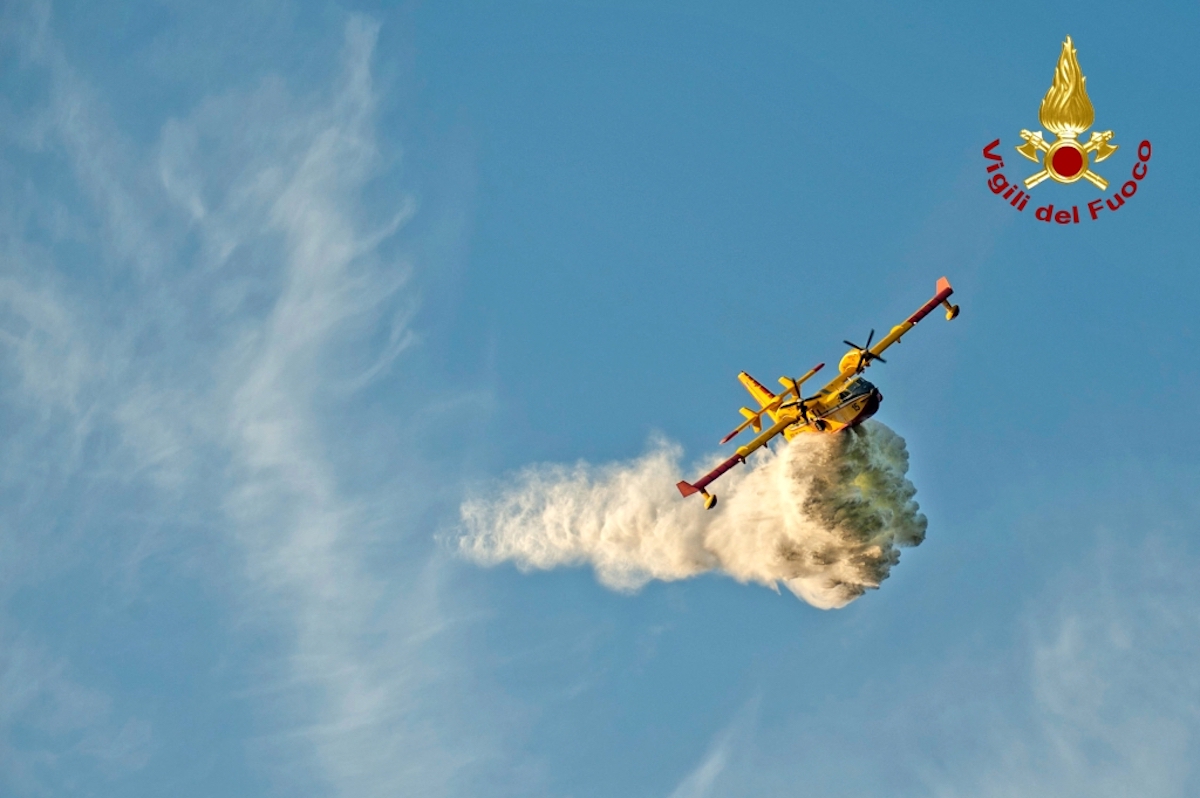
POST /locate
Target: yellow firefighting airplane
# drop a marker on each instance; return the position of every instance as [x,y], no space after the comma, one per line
[846,401]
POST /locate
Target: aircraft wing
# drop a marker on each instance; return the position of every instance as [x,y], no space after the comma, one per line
[944,290]
[943,294]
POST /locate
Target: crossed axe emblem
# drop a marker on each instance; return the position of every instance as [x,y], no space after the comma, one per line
[1034,144]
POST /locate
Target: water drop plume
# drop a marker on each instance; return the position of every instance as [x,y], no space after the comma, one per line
[823,515]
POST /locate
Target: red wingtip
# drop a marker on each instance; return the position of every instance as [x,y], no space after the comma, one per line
[818,367]
[686,488]
[728,438]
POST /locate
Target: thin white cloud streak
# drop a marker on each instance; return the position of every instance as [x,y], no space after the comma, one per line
[703,779]
[699,783]
[290,512]
[1114,694]
[1099,698]
[76,122]
[49,722]
[51,362]
[288,308]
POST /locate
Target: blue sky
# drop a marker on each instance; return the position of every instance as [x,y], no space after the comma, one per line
[282,284]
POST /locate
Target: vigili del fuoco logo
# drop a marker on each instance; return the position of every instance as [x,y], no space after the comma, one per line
[1066,112]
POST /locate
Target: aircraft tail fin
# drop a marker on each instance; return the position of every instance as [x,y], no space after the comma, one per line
[757,390]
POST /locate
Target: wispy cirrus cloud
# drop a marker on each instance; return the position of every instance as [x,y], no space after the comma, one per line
[239,300]
[1095,697]
[1113,707]
[703,780]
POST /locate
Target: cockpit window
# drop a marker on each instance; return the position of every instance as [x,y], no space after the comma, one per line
[856,388]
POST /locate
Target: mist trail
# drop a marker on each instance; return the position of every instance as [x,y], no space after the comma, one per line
[824,515]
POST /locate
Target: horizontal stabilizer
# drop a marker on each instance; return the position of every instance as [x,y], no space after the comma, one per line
[755,418]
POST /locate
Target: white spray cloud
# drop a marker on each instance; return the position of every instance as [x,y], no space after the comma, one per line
[823,515]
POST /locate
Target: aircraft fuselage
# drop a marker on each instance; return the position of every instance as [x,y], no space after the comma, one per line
[852,405]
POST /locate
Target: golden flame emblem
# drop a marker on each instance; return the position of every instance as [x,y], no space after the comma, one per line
[1066,112]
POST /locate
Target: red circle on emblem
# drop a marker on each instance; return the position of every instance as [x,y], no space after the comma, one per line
[1068,161]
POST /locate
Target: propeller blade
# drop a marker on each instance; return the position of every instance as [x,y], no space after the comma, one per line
[869,337]
[801,403]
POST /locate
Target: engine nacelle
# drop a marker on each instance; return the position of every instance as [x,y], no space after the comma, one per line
[850,361]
